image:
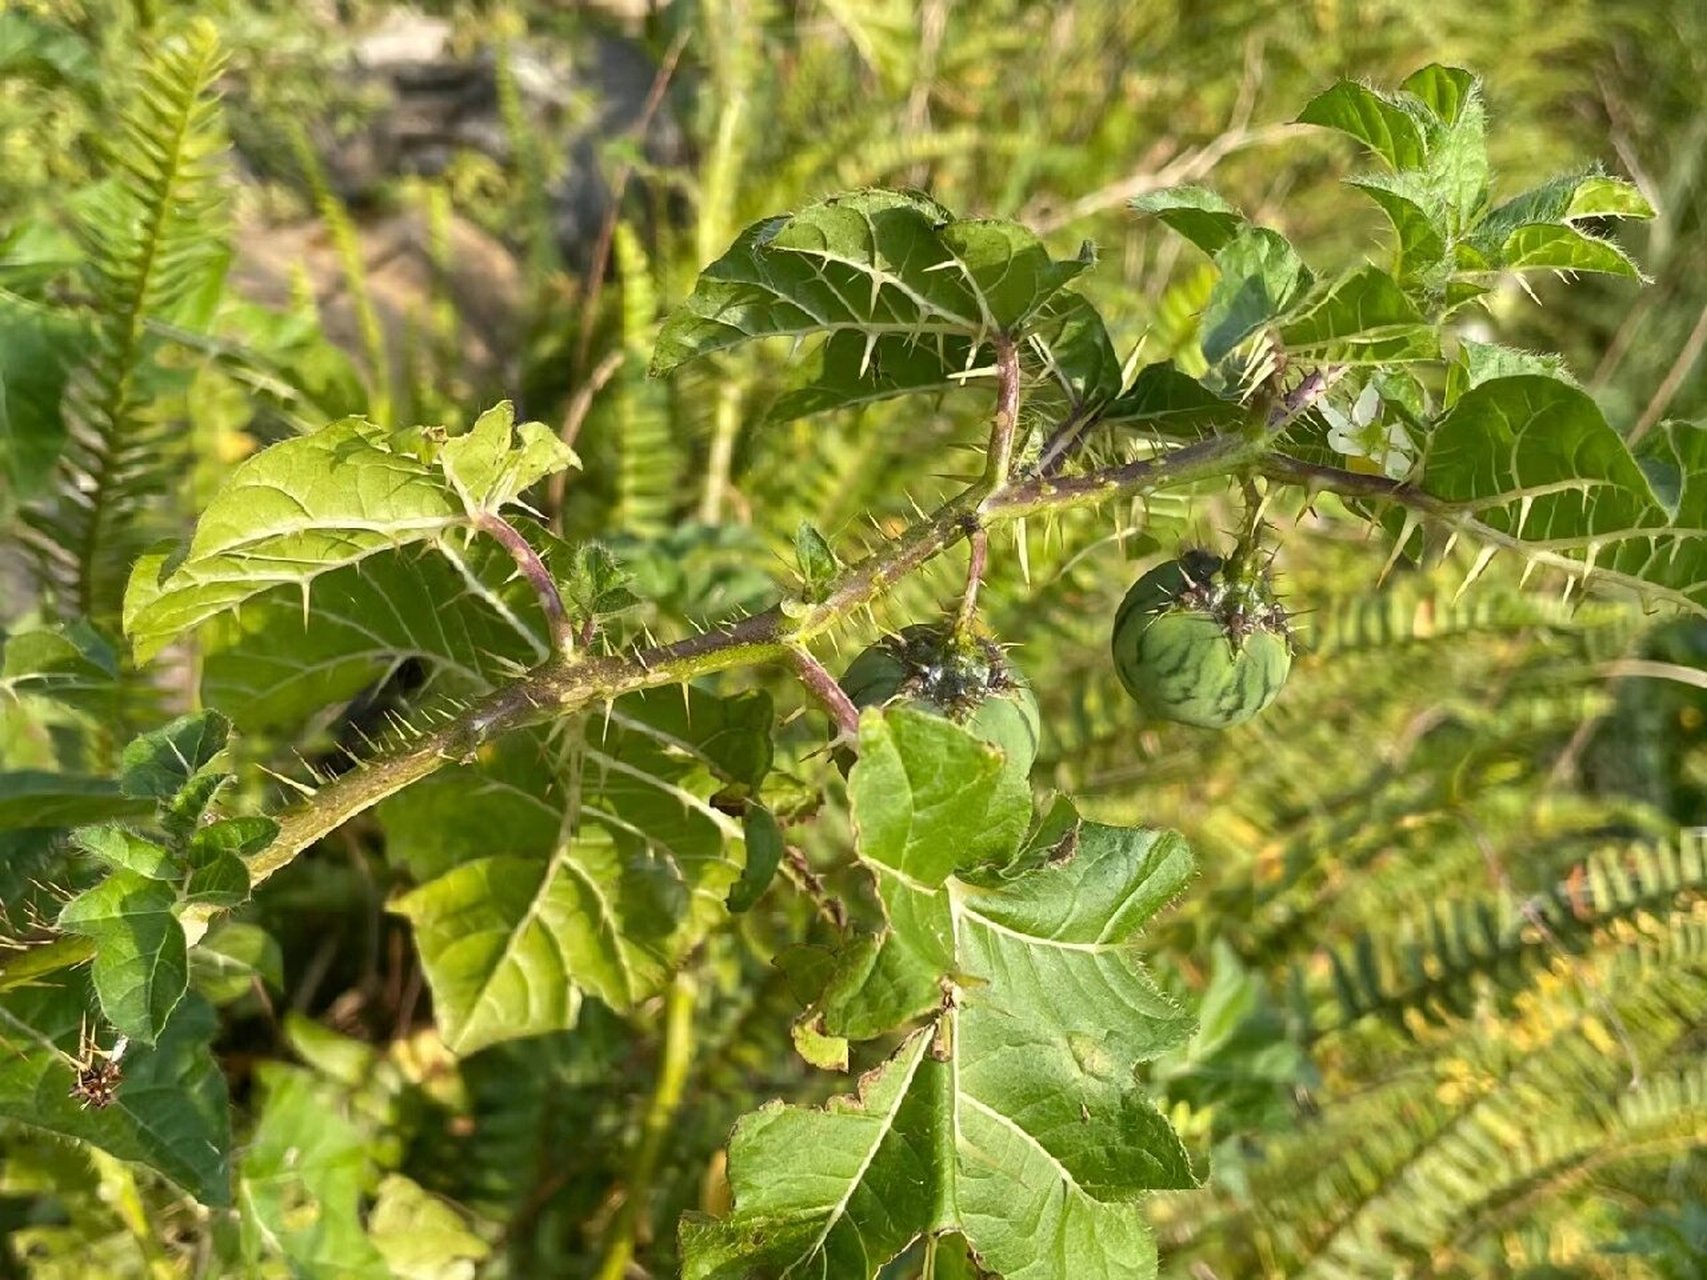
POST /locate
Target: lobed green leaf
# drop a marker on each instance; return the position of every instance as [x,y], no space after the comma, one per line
[1362,318]
[1199,215]
[1014,1118]
[286,516]
[270,667]
[161,763]
[170,1112]
[1392,128]
[601,860]
[879,264]
[1532,457]
[309,506]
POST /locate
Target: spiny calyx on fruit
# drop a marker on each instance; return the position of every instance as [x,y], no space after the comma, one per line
[966,678]
[1202,641]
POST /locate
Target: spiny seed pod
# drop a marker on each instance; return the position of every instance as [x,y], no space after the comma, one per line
[1191,645]
[969,680]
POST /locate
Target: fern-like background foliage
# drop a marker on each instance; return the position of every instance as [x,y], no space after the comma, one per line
[1448,939]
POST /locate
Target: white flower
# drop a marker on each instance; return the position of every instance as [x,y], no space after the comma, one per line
[1362,434]
[1399,452]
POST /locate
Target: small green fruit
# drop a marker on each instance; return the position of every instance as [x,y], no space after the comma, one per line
[969,680]
[1192,646]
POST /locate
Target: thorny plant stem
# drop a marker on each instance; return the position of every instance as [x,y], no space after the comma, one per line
[534,570]
[822,685]
[1250,526]
[673,1065]
[979,541]
[567,683]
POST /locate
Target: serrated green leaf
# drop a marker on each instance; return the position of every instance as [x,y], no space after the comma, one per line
[1431,136]
[1443,90]
[1016,1118]
[124,850]
[1555,247]
[1562,200]
[1536,231]
[170,1112]
[141,966]
[301,1181]
[1364,317]
[1534,458]
[882,981]
[836,1192]
[495,462]
[1600,196]
[1479,362]
[509,942]
[1419,248]
[286,516]
[1387,126]
[1199,215]
[1261,278]
[159,764]
[873,262]
[601,860]
[923,806]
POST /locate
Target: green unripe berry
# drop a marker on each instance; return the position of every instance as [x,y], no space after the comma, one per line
[1191,646]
